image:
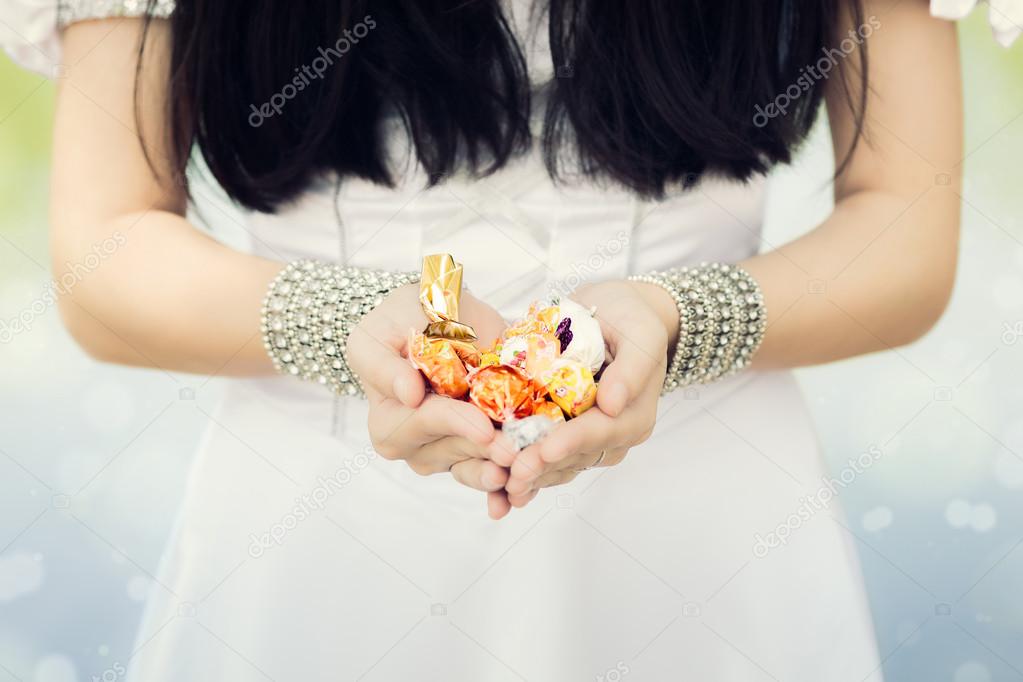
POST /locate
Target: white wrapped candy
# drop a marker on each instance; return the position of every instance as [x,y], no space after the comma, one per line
[587,344]
[528,430]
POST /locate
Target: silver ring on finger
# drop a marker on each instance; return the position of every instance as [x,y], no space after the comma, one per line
[600,459]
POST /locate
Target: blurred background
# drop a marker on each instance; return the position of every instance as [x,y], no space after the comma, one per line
[94,458]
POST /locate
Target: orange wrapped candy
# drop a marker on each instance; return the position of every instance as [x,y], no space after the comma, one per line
[571,386]
[550,410]
[504,392]
[438,359]
[539,320]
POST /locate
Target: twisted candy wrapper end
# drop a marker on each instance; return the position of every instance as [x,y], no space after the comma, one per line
[440,294]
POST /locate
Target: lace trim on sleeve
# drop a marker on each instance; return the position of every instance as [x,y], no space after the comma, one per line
[70,11]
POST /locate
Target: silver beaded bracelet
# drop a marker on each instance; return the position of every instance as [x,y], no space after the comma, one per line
[311,309]
[721,316]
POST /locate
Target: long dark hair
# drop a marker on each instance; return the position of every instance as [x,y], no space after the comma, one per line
[649,94]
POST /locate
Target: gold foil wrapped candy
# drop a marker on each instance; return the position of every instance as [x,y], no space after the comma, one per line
[440,294]
[442,351]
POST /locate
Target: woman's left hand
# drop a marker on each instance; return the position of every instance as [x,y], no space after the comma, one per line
[635,319]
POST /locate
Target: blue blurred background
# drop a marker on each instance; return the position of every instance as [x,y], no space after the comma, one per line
[94,459]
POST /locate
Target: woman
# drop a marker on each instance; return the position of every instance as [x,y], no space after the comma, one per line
[544,145]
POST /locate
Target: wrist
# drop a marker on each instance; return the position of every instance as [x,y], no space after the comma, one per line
[310,310]
[663,306]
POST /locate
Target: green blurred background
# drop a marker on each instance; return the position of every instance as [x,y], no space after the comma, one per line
[938,522]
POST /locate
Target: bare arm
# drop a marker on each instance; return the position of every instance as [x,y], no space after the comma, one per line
[879,271]
[887,254]
[168,295]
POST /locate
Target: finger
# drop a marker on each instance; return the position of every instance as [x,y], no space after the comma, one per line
[400,430]
[386,373]
[502,451]
[480,474]
[439,416]
[498,505]
[629,374]
[520,501]
[444,454]
[446,451]
[526,468]
[556,478]
[592,431]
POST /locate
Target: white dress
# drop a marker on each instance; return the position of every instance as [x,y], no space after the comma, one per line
[300,555]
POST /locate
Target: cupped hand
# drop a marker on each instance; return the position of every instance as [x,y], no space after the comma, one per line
[635,319]
[431,433]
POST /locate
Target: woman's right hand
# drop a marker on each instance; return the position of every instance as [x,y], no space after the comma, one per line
[432,433]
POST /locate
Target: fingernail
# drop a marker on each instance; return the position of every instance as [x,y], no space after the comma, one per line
[488,482]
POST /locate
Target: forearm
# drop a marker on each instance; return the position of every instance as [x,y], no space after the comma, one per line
[877,274]
[165,295]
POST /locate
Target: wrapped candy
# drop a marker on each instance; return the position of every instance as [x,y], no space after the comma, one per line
[549,410]
[513,351]
[504,392]
[537,375]
[541,353]
[580,334]
[440,293]
[539,320]
[524,432]
[440,363]
[442,351]
[571,386]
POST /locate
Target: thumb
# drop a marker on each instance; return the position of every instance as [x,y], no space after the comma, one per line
[384,372]
[625,378]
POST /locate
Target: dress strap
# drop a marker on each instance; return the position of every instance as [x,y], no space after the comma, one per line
[70,11]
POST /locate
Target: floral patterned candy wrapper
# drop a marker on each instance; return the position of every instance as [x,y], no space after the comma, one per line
[504,392]
[541,353]
[513,351]
[439,361]
[529,430]
[571,386]
[541,319]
